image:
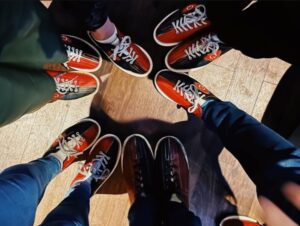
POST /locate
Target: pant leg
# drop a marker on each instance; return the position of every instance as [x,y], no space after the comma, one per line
[178,215]
[282,113]
[21,189]
[79,15]
[145,211]
[23,91]
[269,159]
[73,210]
[29,37]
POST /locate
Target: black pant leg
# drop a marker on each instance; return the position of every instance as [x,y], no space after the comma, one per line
[79,15]
[283,111]
[177,214]
[145,211]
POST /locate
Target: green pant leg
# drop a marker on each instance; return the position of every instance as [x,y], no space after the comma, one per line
[23,91]
[28,35]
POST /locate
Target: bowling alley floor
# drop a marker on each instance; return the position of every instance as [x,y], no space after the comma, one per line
[131,105]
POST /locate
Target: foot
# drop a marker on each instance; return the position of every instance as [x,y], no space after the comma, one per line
[72,144]
[82,56]
[181,24]
[195,53]
[73,85]
[183,90]
[126,55]
[172,168]
[137,166]
[100,163]
[239,220]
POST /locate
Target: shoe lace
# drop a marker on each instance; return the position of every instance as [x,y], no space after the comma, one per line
[191,20]
[191,94]
[205,45]
[139,181]
[73,53]
[172,179]
[99,168]
[124,51]
[64,86]
[69,144]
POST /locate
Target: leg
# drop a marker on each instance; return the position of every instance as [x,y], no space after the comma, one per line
[144,211]
[31,39]
[268,158]
[74,209]
[91,16]
[86,15]
[137,168]
[282,113]
[100,163]
[178,214]
[23,91]
[22,187]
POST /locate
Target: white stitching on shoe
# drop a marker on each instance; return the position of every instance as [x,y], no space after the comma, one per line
[191,20]
[191,94]
[209,43]
[63,86]
[73,53]
[99,167]
[121,50]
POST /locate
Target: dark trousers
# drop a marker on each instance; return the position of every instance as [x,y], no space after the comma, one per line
[283,111]
[150,212]
[261,36]
[269,159]
[79,15]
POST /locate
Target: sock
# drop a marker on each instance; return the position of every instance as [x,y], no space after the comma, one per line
[113,39]
[60,156]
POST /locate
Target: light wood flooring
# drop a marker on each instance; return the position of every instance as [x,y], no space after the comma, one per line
[132,104]
[246,82]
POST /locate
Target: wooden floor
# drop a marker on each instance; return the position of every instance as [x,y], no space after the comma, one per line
[127,104]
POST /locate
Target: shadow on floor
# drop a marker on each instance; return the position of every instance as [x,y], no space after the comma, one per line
[208,187]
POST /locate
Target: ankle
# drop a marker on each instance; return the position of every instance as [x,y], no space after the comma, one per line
[107,30]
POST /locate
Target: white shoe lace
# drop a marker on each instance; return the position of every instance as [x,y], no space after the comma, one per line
[124,51]
[191,20]
[97,169]
[73,53]
[68,145]
[64,86]
[191,94]
[207,44]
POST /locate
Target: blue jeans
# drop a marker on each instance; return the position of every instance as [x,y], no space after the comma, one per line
[268,159]
[22,187]
[148,211]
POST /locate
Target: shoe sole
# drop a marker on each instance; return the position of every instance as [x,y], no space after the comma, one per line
[124,145]
[236,217]
[155,30]
[128,72]
[117,161]
[92,75]
[159,90]
[87,43]
[179,142]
